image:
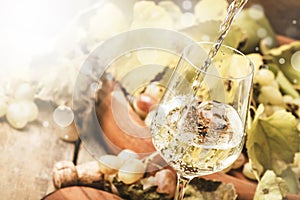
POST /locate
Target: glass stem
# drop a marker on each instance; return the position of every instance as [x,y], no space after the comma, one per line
[182,182]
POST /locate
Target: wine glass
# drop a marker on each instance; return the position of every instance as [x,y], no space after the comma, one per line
[199,125]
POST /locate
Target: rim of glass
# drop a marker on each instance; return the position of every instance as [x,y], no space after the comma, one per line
[250,63]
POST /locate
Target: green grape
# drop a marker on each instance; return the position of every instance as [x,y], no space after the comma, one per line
[131,171]
[248,172]
[110,164]
[264,77]
[17,115]
[270,95]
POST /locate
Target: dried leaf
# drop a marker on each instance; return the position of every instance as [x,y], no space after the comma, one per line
[271,187]
[272,140]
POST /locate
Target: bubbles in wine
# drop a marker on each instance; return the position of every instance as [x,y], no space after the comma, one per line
[197,138]
[213,125]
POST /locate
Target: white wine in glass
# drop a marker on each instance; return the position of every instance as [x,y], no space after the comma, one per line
[199,126]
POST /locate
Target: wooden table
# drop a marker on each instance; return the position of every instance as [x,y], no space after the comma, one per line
[28,156]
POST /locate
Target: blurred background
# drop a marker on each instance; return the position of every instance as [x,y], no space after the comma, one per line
[284,15]
[30,27]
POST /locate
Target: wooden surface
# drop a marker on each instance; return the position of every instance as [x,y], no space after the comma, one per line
[80,193]
[28,155]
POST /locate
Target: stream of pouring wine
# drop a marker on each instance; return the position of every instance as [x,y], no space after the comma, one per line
[233,10]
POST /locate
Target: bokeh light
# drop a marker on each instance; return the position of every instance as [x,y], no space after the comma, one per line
[295,60]
[256,11]
[268,41]
[30,28]
[63,116]
[205,38]
[187,4]
[281,61]
[188,19]
[261,32]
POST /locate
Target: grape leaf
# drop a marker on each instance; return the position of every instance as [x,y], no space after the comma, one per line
[286,86]
[272,140]
[281,57]
[288,175]
[271,187]
[251,27]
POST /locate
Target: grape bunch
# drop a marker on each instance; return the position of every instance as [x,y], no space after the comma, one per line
[267,91]
[128,168]
[126,165]
[20,109]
